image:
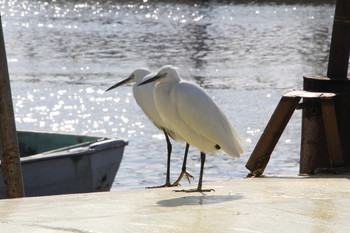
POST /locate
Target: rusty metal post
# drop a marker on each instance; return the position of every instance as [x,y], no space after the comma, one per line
[10,162]
[340,46]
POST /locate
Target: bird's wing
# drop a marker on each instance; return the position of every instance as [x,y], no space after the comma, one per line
[198,110]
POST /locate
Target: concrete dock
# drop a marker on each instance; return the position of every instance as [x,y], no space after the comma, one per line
[270,204]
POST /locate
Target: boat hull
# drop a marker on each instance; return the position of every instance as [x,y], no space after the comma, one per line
[85,167]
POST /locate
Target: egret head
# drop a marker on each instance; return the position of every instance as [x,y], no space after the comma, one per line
[135,77]
[167,73]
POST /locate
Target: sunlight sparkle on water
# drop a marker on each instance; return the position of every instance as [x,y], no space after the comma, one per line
[252,132]
[158,136]
[89,90]
[59,82]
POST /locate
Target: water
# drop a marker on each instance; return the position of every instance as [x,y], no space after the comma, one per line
[62,55]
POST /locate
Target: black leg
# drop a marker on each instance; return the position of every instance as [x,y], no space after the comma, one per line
[170,148]
[184,172]
[199,188]
[185,157]
[201,172]
[167,179]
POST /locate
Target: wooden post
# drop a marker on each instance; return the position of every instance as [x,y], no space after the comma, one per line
[315,132]
[315,147]
[313,150]
[330,123]
[272,133]
[10,162]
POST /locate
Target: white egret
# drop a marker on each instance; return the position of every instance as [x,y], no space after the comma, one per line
[144,98]
[194,115]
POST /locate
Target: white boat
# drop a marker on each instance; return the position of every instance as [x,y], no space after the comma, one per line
[55,163]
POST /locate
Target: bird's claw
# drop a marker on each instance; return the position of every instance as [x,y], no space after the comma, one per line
[188,176]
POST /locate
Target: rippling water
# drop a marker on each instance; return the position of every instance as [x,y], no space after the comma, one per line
[62,55]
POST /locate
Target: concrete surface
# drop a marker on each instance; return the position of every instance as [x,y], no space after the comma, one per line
[270,204]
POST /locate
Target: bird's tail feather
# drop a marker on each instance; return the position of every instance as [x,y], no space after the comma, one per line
[235,147]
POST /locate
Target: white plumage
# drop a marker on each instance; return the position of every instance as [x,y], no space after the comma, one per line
[194,115]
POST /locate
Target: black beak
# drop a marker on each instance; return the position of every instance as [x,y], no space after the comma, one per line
[149,80]
[119,84]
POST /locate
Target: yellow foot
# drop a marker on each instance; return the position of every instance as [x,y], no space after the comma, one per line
[195,190]
[188,176]
[162,186]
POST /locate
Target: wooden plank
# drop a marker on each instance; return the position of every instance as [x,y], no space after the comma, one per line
[332,134]
[273,131]
[309,94]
